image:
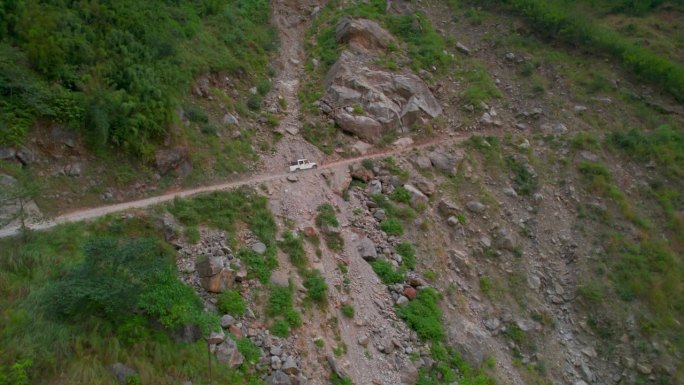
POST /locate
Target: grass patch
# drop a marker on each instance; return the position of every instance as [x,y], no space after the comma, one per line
[293,246]
[231,302]
[316,288]
[424,316]
[347,310]
[392,226]
[387,273]
[408,254]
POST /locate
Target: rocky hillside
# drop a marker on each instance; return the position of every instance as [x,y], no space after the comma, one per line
[498,200]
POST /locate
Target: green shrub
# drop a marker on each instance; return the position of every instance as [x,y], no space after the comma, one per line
[424,316]
[231,302]
[525,180]
[280,328]
[293,246]
[254,102]
[280,305]
[196,114]
[348,310]
[251,352]
[316,287]
[392,226]
[387,273]
[400,194]
[326,216]
[263,87]
[408,254]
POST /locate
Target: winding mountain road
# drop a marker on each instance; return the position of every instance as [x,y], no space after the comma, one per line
[97,212]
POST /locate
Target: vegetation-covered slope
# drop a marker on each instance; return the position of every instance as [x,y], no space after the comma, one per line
[117,69]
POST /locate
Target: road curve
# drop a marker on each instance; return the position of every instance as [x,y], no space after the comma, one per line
[97,212]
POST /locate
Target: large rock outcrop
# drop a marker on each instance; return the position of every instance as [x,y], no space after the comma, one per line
[368,101]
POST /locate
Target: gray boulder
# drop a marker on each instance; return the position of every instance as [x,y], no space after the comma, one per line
[230,120]
[375,187]
[7,153]
[446,161]
[366,249]
[362,34]
[278,378]
[209,266]
[425,186]
[259,248]
[417,197]
[447,207]
[290,366]
[25,156]
[421,162]
[476,206]
[227,353]
[364,127]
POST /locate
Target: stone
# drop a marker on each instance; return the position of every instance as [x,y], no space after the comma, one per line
[533,282]
[292,178]
[278,377]
[338,178]
[403,143]
[486,242]
[259,248]
[363,174]
[363,340]
[462,48]
[227,320]
[362,34]
[476,207]
[25,156]
[374,187]
[446,161]
[7,153]
[447,207]
[528,325]
[380,215]
[209,266]
[421,162]
[216,338]
[219,283]
[122,373]
[492,324]
[453,221]
[410,293]
[402,300]
[168,159]
[227,353]
[391,102]
[230,120]
[504,239]
[424,185]
[73,170]
[590,352]
[417,197]
[290,366]
[509,191]
[276,363]
[644,368]
[366,249]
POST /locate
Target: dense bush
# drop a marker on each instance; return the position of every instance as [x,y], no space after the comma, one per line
[408,254]
[392,226]
[118,69]
[387,273]
[316,287]
[117,279]
[556,20]
[231,302]
[424,316]
[293,246]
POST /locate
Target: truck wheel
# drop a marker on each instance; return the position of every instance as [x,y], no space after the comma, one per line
[315,167]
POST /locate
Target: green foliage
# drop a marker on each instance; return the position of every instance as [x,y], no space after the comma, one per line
[400,194]
[231,302]
[392,226]
[554,19]
[16,374]
[258,266]
[480,86]
[424,316]
[196,114]
[117,279]
[348,310]
[293,246]
[525,179]
[251,352]
[664,145]
[326,216]
[280,306]
[280,328]
[316,287]
[449,368]
[408,254]
[109,70]
[387,273]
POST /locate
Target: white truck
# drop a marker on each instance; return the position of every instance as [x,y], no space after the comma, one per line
[302,164]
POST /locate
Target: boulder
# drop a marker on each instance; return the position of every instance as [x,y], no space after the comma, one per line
[25,156]
[278,378]
[227,321]
[230,120]
[425,186]
[169,159]
[362,34]
[476,207]
[402,301]
[290,366]
[338,178]
[504,239]
[227,353]
[366,249]
[170,227]
[390,101]
[446,161]
[122,373]
[421,162]
[259,248]
[363,174]
[209,266]
[417,197]
[216,338]
[374,187]
[364,127]
[73,170]
[7,153]
[447,207]
[410,293]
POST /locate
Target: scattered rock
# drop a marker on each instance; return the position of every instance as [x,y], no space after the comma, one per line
[227,353]
[403,143]
[446,162]
[290,366]
[227,320]
[424,185]
[362,34]
[447,207]
[462,48]
[259,248]
[292,178]
[492,324]
[216,338]
[230,120]
[421,162]
[363,174]
[453,221]
[25,156]
[374,187]
[417,197]
[7,153]
[509,191]
[402,300]
[338,179]
[644,368]
[533,282]
[278,378]
[476,206]
[366,249]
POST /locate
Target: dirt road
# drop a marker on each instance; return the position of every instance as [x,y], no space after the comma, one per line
[97,212]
